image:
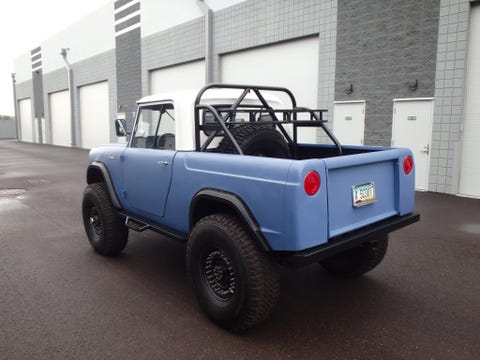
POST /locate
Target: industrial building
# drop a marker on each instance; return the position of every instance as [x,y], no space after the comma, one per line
[401,73]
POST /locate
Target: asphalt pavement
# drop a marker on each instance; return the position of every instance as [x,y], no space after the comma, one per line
[60,300]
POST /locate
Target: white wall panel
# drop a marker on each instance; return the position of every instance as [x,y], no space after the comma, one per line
[94,114]
[88,37]
[60,118]
[23,68]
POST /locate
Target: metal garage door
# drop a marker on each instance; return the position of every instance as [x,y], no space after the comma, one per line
[60,118]
[470,167]
[179,77]
[25,108]
[94,114]
[292,64]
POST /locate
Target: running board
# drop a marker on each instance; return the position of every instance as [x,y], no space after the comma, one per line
[135,224]
[140,225]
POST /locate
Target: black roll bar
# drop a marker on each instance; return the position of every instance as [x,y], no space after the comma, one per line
[287,119]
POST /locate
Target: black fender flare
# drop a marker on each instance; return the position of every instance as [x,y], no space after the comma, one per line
[233,203]
[98,172]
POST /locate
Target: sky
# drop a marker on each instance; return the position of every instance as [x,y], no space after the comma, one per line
[25,24]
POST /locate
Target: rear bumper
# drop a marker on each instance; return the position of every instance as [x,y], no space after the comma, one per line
[347,241]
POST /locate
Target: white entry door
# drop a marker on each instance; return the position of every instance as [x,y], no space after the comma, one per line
[412,128]
[349,121]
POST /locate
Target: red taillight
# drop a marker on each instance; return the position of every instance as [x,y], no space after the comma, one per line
[408,165]
[311,183]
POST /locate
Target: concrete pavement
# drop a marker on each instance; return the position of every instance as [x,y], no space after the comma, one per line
[58,299]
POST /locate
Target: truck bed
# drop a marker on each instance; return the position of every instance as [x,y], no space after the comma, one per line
[312,151]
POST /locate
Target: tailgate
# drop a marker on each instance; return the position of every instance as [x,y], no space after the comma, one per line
[366,188]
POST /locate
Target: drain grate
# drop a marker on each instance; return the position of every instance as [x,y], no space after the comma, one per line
[11,192]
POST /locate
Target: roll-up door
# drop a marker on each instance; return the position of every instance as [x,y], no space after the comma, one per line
[178,77]
[26,128]
[470,166]
[60,118]
[292,64]
[94,114]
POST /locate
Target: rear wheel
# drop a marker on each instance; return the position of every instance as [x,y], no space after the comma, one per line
[359,260]
[103,225]
[236,283]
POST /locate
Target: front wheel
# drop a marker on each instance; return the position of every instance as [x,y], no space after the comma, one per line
[359,260]
[103,225]
[236,283]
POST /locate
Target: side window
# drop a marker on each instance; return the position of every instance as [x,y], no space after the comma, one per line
[155,128]
[166,130]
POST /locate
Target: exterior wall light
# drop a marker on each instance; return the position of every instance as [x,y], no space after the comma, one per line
[413,86]
[349,90]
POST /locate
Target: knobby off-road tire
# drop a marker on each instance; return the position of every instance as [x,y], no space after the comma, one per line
[236,284]
[103,225]
[357,261]
[256,140]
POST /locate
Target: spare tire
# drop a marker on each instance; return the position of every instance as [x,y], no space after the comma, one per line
[257,141]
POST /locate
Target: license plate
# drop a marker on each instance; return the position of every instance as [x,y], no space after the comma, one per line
[363,194]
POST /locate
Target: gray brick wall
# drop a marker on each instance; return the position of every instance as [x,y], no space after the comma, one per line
[55,81]
[382,47]
[180,44]
[449,95]
[129,72]
[246,25]
[255,23]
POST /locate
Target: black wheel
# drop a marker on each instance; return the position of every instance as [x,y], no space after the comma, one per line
[256,140]
[103,225]
[236,283]
[359,260]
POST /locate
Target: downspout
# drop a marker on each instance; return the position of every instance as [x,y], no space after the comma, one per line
[207,10]
[70,90]
[17,123]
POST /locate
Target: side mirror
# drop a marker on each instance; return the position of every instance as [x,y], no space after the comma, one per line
[121,127]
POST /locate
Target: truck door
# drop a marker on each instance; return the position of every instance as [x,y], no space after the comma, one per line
[148,160]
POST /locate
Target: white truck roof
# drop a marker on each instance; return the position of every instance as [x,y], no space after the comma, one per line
[216,96]
[184,103]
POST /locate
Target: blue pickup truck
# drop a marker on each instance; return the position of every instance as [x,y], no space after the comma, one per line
[226,170]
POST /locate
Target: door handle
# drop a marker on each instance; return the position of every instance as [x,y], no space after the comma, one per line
[164,163]
[426,149]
